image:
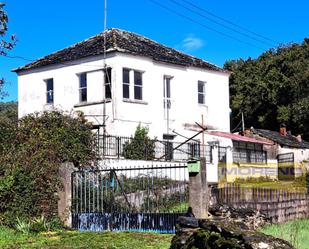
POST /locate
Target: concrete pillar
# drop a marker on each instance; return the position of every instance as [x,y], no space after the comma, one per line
[65,194]
[198,192]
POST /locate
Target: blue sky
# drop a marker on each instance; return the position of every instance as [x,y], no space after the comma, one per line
[43,27]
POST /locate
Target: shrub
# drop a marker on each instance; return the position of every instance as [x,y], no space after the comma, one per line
[140,147]
[30,161]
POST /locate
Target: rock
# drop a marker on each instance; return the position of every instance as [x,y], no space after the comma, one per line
[223,232]
[245,217]
[189,222]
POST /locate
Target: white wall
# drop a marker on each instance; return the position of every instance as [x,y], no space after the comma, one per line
[123,117]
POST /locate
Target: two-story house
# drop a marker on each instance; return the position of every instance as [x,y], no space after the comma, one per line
[130,80]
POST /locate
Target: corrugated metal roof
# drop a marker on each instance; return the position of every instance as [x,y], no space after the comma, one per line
[237,137]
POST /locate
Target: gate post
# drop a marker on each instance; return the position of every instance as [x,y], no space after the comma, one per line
[65,194]
[198,192]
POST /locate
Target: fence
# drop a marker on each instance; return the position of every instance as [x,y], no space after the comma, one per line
[278,205]
[130,198]
[116,146]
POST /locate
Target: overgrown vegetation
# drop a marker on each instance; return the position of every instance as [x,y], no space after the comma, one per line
[296,232]
[31,153]
[72,239]
[272,89]
[141,146]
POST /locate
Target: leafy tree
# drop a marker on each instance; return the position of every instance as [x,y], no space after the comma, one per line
[140,147]
[272,89]
[30,161]
[6,43]
[8,123]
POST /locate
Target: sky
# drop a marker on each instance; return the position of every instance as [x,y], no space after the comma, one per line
[199,28]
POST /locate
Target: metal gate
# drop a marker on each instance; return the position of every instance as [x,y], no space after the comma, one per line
[286,169]
[130,199]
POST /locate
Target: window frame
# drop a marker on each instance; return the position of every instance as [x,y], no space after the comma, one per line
[201,93]
[82,88]
[49,92]
[132,85]
[107,72]
[127,84]
[136,86]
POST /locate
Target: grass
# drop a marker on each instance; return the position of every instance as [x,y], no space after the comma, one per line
[296,232]
[9,238]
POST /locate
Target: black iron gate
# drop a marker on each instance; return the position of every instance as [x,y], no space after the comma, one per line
[286,168]
[129,199]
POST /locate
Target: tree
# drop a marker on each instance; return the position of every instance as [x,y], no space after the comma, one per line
[272,89]
[140,147]
[6,43]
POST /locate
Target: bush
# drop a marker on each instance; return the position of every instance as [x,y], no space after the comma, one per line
[140,147]
[30,161]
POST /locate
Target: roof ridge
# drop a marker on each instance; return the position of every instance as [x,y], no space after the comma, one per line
[122,41]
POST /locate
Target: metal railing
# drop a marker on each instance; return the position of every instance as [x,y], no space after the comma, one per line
[119,147]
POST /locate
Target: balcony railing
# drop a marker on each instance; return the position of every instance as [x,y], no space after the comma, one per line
[116,147]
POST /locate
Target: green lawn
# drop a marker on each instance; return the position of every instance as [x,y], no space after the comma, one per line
[72,239]
[296,232]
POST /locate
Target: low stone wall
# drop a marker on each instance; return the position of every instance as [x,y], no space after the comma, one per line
[280,206]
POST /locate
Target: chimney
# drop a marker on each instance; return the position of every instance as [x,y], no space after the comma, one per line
[298,137]
[283,130]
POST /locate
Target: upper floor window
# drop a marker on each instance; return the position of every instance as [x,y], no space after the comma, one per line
[126,83]
[167,91]
[83,87]
[136,78]
[108,83]
[201,92]
[50,91]
[138,85]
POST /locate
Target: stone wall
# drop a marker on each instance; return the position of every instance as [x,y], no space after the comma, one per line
[280,206]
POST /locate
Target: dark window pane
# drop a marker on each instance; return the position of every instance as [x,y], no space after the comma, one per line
[138,92]
[201,98]
[201,87]
[168,87]
[83,80]
[83,95]
[125,91]
[50,97]
[50,84]
[108,83]
[126,75]
[137,78]
[108,92]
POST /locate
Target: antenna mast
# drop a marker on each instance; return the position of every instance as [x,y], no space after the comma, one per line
[104,76]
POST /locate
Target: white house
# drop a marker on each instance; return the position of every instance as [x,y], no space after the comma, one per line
[143,82]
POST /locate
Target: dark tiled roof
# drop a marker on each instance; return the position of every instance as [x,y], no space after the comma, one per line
[120,41]
[287,140]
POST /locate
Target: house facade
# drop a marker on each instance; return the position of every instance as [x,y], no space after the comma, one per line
[134,81]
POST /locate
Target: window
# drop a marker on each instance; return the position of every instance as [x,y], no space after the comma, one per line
[129,75]
[138,85]
[126,83]
[50,91]
[167,92]
[108,83]
[248,153]
[201,92]
[83,87]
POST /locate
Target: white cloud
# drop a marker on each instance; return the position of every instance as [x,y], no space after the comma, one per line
[191,43]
